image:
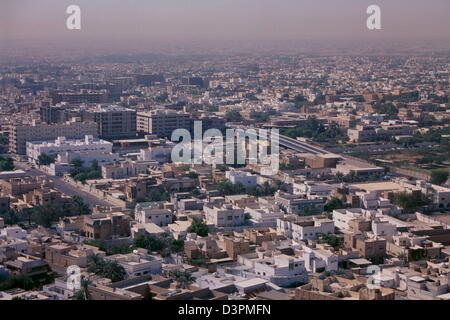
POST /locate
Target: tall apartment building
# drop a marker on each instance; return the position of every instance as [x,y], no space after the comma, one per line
[21,134]
[162,122]
[113,121]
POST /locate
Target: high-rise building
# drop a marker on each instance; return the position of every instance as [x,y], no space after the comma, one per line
[162,122]
[113,121]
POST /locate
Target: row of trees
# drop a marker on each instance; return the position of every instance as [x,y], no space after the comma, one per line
[314,129]
[46,215]
[410,201]
[164,244]
[226,188]
[25,282]
[233,116]
[80,173]
[439,176]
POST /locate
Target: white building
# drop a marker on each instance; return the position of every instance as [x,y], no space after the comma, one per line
[296,228]
[342,217]
[383,228]
[138,263]
[127,169]
[224,216]
[247,179]
[160,217]
[281,270]
[161,154]
[319,259]
[52,148]
[14,232]
[264,216]
[17,244]
[102,158]
[59,290]
[312,189]
[371,201]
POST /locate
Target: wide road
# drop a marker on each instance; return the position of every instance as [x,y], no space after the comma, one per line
[66,187]
[288,142]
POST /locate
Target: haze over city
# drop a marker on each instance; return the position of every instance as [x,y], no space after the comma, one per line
[131,26]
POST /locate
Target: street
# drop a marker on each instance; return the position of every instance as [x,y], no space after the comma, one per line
[65,187]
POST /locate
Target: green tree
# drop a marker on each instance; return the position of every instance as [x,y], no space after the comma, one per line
[199,227]
[6,164]
[45,159]
[439,176]
[182,277]
[330,239]
[192,175]
[108,269]
[334,204]
[18,281]
[233,116]
[410,201]
[149,242]
[10,217]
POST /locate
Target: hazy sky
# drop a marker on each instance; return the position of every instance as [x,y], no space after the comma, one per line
[222,20]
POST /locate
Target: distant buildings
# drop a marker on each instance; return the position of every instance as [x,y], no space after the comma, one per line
[83,96]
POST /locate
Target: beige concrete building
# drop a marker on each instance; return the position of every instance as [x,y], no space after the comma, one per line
[20,134]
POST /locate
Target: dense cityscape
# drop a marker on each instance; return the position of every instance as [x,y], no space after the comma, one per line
[94,206]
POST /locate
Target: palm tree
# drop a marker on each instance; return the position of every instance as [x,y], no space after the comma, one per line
[95,263]
[183,278]
[108,269]
[339,177]
[114,271]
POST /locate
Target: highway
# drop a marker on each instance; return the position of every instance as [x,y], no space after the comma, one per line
[65,187]
[290,143]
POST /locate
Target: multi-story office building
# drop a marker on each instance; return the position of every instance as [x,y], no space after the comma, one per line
[162,122]
[21,134]
[113,121]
